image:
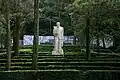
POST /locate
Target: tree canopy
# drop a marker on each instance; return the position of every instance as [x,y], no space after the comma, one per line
[104,17]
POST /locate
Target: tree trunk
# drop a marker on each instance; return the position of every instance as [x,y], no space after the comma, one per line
[36,35]
[16,31]
[103,40]
[8,36]
[14,38]
[5,43]
[0,41]
[116,41]
[74,40]
[98,45]
[88,55]
[22,38]
[17,35]
[4,37]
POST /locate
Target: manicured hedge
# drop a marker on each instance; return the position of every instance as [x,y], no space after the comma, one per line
[49,48]
[61,75]
[3,50]
[5,56]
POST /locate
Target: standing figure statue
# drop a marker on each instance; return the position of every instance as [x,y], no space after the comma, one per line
[58,33]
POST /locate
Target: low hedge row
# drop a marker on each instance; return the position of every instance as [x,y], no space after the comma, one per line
[49,48]
[3,50]
[4,56]
[61,75]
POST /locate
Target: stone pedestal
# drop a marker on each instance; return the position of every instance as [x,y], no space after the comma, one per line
[58,53]
[55,53]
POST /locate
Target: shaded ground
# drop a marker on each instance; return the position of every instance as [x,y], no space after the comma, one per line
[61,75]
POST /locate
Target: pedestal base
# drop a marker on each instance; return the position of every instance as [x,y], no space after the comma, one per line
[57,53]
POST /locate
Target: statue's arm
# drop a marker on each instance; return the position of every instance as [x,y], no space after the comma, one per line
[54,30]
[63,34]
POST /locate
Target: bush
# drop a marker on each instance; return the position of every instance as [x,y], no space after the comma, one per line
[49,48]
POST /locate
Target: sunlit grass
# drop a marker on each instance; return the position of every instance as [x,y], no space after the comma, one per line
[25,50]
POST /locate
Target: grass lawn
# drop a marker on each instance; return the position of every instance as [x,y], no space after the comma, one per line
[25,50]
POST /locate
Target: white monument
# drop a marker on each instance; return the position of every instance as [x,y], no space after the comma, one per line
[58,33]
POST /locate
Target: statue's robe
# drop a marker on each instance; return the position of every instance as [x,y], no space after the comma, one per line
[58,39]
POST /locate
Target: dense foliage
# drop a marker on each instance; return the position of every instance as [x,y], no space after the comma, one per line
[103,15]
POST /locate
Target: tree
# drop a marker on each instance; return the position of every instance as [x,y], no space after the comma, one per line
[8,35]
[82,9]
[3,24]
[17,27]
[36,34]
[2,35]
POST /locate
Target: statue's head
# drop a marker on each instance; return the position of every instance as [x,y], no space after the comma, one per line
[58,24]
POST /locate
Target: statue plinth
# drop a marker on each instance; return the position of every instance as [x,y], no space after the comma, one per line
[54,52]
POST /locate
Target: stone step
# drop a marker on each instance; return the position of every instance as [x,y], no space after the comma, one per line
[85,63]
[93,54]
[78,67]
[60,55]
[41,60]
[3,50]
[67,57]
[107,54]
[29,54]
[3,55]
[38,52]
[41,57]
[59,67]
[56,60]
[67,53]
[49,54]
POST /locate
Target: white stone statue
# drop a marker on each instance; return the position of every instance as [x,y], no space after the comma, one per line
[58,33]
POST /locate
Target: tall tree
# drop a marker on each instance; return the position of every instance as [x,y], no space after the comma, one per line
[36,34]
[88,37]
[17,27]
[8,35]
[22,13]
[82,9]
